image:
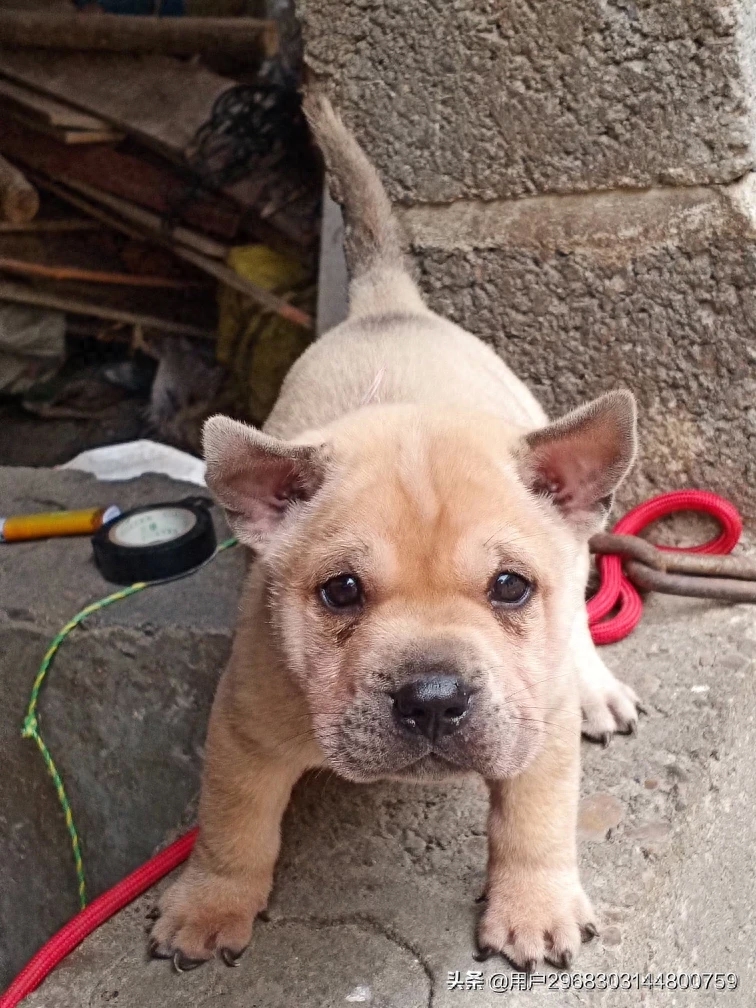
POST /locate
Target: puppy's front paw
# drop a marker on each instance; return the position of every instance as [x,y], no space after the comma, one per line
[201,914]
[532,916]
[609,706]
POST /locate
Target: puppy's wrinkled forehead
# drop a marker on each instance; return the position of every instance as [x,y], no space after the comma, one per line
[413,495]
[418,472]
[425,469]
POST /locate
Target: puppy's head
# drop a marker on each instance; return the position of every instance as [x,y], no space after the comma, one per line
[423,572]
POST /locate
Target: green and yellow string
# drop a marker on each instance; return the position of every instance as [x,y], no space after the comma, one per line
[30,728]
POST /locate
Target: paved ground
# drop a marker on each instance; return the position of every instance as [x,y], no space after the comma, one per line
[374,901]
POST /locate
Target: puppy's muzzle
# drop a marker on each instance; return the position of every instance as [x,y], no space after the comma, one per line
[432,705]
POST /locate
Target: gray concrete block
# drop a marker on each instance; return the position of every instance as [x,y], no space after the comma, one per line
[653,291]
[375,891]
[502,98]
[124,709]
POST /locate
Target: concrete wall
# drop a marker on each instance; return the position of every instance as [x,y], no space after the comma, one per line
[575,180]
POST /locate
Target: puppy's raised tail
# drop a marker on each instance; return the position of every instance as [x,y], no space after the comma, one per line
[380,280]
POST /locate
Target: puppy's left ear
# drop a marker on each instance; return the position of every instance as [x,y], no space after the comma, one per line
[580,460]
[257,478]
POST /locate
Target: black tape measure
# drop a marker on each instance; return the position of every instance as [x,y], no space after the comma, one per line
[155,541]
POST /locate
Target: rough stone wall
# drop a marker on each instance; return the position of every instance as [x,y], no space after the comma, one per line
[653,291]
[575,180]
[487,98]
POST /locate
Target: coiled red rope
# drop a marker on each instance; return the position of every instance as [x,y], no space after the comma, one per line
[615,590]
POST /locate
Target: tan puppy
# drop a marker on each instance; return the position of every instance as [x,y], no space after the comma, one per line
[416,608]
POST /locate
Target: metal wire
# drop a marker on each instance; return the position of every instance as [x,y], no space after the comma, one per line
[247,123]
[250,126]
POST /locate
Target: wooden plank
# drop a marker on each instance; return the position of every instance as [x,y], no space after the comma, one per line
[29,295]
[65,134]
[48,110]
[19,201]
[53,224]
[158,99]
[184,36]
[149,221]
[119,173]
[110,220]
[34,269]
[210,266]
[188,250]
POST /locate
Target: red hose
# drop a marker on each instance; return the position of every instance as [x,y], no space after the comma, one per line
[614,589]
[89,919]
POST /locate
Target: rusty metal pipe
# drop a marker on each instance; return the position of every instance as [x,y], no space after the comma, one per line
[724,589]
[703,564]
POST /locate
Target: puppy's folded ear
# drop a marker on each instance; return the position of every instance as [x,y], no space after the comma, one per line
[257,478]
[580,460]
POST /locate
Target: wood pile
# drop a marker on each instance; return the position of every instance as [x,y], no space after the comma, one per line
[105,212]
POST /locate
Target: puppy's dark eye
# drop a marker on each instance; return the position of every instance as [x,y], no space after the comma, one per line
[342,591]
[508,589]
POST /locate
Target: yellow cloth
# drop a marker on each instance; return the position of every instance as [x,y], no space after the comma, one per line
[257,347]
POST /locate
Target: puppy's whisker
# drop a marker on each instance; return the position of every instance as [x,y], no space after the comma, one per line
[537,682]
[545,726]
[547,711]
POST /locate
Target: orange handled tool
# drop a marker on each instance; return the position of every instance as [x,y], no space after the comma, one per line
[55,523]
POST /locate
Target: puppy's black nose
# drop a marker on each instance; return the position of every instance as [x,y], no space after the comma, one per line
[433,705]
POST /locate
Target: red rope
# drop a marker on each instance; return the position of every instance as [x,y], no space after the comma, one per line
[89,919]
[614,590]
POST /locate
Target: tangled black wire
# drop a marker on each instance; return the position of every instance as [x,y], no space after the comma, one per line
[248,123]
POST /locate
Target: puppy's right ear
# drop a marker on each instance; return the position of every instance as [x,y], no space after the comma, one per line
[255,477]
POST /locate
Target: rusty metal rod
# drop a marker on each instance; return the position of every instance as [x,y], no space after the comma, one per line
[702,564]
[724,589]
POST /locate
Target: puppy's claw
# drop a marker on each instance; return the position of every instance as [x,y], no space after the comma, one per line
[483,953]
[588,932]
[608,705]
[482,898]
[231,958]
[157,951]
[605,739]
[566,961]
[183,964]
[529,965]
[264,916]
